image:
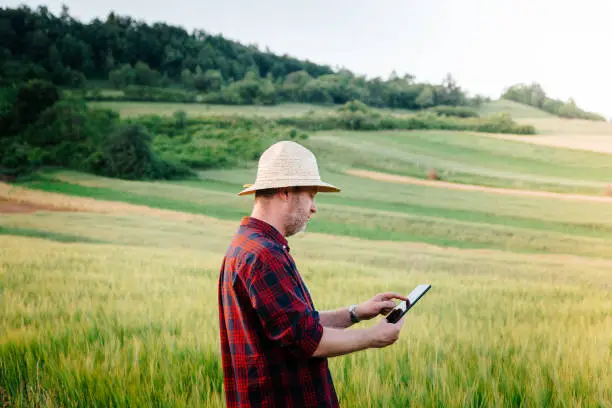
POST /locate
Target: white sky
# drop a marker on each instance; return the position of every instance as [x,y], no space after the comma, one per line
[486,45]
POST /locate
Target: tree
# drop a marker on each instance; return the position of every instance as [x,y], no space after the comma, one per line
[122,76]
[425,98]
[127,153]
[569,109]
[32,98]
[187,78]
[210,81]
[143,75]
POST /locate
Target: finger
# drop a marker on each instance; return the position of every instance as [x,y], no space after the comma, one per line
[391,295]
[389,304]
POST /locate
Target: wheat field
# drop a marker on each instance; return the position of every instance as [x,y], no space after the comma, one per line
[112,301]
[120,310]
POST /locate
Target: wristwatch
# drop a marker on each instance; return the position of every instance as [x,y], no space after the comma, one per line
[354,317]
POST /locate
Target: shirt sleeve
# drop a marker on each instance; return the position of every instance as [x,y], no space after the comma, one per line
[284,315]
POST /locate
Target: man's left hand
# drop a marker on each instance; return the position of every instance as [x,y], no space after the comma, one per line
[379,304]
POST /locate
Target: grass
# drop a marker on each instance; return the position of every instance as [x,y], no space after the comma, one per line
[515,109]
[466,158]
[553,131]
[116,305]
[128,109]
[131,109]
[456,219]
[133,322]
[54,236]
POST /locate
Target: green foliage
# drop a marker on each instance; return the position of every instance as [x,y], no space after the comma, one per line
[354,106]
[139,74]
[457,111]
[209,81]
[126,154]
[213,142]
[150,94]
[132,53]
[37,131]
[13,159]
[31,99]
[356,116]
[426,97]
[69,134]
[534,95]
[8,95]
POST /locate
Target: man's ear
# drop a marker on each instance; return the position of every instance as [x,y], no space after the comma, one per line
[283,193]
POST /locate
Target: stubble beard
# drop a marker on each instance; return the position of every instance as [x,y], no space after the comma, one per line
[297,222]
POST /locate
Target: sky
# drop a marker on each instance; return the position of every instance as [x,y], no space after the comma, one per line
[487,45]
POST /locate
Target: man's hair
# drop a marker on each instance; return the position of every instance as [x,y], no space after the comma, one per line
[268,193]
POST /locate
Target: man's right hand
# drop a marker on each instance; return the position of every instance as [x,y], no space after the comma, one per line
[336,342]
[384,333]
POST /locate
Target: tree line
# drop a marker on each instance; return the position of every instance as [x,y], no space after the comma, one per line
[123,52]
[535,96]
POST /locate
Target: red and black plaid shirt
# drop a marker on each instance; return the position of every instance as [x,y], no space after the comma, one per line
[268,325]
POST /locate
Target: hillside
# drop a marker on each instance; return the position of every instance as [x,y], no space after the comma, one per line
[160,62]
[515,109]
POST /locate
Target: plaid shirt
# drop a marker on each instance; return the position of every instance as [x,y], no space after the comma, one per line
[269,327]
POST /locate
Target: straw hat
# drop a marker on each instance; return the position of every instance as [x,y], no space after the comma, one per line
[287,164]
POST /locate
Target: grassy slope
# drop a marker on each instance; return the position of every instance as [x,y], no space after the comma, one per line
[365,209]
[515,109]
[459,157]
[466,158]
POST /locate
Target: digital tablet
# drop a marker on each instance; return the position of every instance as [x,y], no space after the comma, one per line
[401,309]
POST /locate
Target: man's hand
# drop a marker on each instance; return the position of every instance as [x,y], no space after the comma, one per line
[336,342]
[384,333]
[379,304]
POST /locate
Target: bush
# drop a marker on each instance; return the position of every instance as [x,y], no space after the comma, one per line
[456,111]
[13,159]
[31,99]
[213,142]
[357,119]
[67,133]
[151,94]
[127,154]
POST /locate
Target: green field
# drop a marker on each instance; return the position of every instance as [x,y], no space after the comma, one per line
[120,309]
[130,109]
[517,110]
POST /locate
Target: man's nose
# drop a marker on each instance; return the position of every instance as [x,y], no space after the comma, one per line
[313,209]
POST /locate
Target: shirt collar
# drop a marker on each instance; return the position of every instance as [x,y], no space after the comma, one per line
[267,229]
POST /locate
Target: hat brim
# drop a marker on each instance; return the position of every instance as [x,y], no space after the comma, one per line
[321,187]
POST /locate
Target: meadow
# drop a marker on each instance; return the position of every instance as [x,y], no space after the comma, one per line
[131,109]
[116,304]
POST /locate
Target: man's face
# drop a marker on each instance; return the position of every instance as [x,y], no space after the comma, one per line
[301,207]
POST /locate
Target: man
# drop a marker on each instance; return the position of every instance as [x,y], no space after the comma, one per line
[274,342]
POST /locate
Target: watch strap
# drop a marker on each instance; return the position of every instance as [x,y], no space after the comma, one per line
[353,315]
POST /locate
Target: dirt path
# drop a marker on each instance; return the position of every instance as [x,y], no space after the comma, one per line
[470,187]
[14,207]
